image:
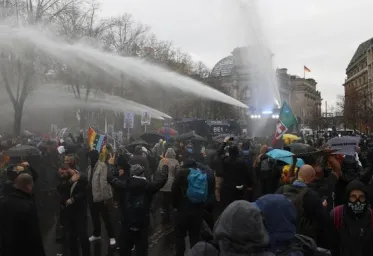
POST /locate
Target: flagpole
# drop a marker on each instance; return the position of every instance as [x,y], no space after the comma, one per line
[304,72]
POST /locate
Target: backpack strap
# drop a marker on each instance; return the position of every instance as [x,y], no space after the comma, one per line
[338,216]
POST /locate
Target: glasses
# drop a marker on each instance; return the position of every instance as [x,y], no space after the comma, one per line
[360,198]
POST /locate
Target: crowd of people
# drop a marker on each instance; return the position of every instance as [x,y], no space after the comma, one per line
[225,201]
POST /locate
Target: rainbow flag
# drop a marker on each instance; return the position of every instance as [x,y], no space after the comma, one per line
[96,141]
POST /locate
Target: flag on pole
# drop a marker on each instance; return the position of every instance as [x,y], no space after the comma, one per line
[95,140]
[307,69]
[286,120]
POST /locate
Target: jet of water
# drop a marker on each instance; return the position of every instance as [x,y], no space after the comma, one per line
[55,97]
[81,57]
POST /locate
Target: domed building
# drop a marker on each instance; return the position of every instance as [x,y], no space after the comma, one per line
[247,75]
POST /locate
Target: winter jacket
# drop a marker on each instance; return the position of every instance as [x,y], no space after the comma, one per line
[101,189]
[19,226]
[173,168]
[238,232]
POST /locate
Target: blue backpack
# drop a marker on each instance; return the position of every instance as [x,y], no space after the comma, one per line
[197,186]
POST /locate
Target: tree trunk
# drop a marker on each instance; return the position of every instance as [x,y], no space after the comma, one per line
[18,112]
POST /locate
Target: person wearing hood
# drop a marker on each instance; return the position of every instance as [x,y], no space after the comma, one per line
[173,166]
[239,231]
[138,158]
[353,224]
[280,221]
[136,193]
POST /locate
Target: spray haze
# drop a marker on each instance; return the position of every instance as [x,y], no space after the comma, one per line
[83,58]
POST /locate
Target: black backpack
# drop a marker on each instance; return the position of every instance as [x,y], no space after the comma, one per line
[305,226]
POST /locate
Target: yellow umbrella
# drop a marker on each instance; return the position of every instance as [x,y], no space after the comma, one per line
[289,138]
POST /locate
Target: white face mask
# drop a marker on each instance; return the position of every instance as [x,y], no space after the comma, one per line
[357,207]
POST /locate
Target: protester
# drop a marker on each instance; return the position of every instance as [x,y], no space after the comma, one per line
[19,223]
[312,218]
[239,231]
[136,193]
[173,167]
[236,177]
[139,159]
[73,200]
[353,223]
[190,192]
[99,196]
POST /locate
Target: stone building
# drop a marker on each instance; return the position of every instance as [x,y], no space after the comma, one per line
[305,100]
[248,70]
[247,75]
[358,87]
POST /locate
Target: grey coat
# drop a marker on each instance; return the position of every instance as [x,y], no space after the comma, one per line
[238,232]
[101,189]
[173,168]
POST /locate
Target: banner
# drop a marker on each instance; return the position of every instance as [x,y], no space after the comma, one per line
[129,120]
[145,118]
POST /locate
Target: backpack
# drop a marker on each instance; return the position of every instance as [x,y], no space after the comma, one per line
[305,226]
[197,186]
[338,217]
[137,212]
[303,246]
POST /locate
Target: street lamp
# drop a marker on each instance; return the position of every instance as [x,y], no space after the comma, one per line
[275,116]
[255,116]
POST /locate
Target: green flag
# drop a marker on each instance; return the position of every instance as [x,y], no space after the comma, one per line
[286,120]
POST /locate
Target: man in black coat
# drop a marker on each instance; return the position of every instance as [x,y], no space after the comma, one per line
[73,200]
[19,223]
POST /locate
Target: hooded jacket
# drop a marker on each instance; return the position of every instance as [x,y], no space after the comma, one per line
[355,235]
[238,232]
[280,220]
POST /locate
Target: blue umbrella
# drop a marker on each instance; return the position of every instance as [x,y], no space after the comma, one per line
[284,156]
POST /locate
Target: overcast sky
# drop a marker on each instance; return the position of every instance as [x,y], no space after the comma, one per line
[321,34]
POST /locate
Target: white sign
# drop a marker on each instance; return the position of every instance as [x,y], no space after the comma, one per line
[62,132]
[54,130]
[129,120]
[145,118]
[345,145]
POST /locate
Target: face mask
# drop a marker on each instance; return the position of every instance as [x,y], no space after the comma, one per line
[357,207]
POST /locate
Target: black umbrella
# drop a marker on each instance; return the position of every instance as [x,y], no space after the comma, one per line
[298,148]
[23,151]
[190,136]
[220,138]
[131,147]
[151,137]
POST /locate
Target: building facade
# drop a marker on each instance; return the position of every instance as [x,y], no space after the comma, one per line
[305,100]
[243,74]
[245,77]
[358,88]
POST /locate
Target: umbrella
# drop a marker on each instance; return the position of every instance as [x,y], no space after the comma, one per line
[284,156]
[297,148]
[167,131]
[151,137]
[22,151]
[220,138]
[131,147]
[190,136]
[289,138]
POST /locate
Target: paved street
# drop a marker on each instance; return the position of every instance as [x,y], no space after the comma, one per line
[160,240]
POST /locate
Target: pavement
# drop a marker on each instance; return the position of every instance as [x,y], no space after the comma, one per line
[160,240]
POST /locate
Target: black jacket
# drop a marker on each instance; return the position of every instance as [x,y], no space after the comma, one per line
[19,226]
[78,193]
[127,186]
